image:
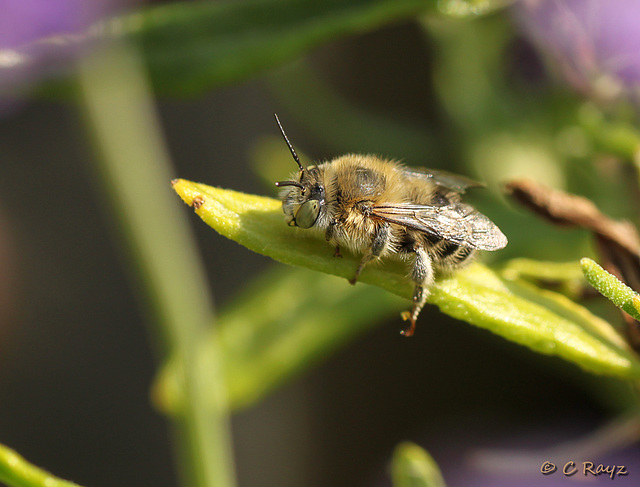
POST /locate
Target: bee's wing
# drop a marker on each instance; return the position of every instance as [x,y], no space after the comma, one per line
[458,223]
[455,182]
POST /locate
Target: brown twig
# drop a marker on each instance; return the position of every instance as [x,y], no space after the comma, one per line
[617,242]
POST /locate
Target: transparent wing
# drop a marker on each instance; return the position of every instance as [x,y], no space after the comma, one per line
[455,182]
[458,223]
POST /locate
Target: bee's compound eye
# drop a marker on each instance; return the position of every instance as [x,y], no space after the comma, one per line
[307,214]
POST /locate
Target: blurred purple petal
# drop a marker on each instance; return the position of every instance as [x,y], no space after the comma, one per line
[595,42]
[38,38]
[25,21]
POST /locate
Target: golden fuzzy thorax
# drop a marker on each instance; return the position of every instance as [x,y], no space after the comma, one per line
[354,184]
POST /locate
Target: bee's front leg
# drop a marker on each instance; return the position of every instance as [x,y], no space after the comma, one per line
[379,242]
[330,236]
[422,274]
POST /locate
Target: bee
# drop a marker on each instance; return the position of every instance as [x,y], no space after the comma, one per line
[378,208]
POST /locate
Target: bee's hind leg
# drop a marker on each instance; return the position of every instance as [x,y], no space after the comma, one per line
[378,244]
[422,274]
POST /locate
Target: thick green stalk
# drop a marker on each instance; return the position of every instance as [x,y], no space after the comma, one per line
[135,172]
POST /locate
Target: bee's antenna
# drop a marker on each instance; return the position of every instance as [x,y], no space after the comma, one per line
[286,139]
[280,184]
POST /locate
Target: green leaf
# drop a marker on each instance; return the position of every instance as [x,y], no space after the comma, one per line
[542,320]
[280,325]
[543,270]
[609,286]
[15,471]
[565,277]
[545,321]
[194,46]
[412,466]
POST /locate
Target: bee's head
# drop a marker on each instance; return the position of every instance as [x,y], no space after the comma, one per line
[303,200]
[303,195]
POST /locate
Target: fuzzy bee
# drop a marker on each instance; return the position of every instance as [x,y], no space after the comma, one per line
[379,208]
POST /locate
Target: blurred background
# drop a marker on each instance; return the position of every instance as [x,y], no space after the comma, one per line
[469,90]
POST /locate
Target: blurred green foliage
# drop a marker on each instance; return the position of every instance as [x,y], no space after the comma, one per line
[411,466]
[280,325]
[489,121]
[196,46]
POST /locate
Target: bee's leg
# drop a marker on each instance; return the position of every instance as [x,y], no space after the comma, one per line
[367,258]
[422,274]
[378,244]
[337,253]
[330,235]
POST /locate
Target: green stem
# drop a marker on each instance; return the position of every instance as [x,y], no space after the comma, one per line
[17,472]
[135,172]
[609,286]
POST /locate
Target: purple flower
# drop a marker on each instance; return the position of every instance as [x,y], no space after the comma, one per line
[39,37]
[26,21]
[596,43]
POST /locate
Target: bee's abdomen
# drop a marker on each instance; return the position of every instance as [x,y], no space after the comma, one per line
[447,249]
[444,254]
[449,254]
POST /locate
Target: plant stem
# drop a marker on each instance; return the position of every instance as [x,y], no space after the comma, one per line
[609,286]
[135,172]
[17,472]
